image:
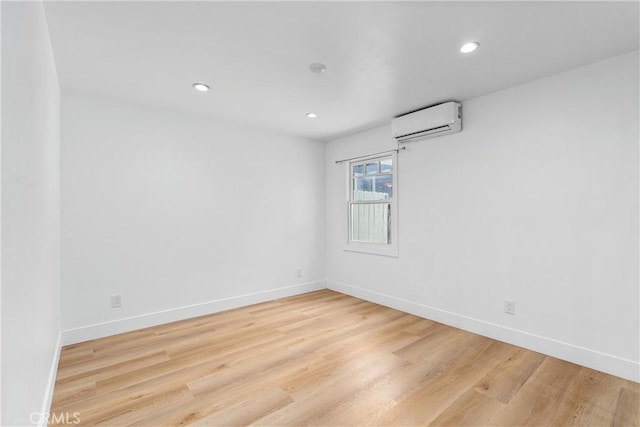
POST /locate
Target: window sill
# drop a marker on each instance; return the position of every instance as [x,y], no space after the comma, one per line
[373,249]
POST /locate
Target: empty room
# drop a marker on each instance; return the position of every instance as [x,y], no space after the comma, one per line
[320,213]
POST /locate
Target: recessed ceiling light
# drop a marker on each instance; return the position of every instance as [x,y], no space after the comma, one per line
[312,115]
[201,87]
[469,47]
[317,68]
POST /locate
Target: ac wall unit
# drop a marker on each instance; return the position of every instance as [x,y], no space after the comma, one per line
[429,122]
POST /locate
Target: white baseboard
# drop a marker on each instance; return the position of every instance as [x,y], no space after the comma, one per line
[594,359]
[51,382]
[100,330]
[608,363]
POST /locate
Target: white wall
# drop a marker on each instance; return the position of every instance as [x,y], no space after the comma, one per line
[536,200]
[172,211]
[30,213]
[0,215]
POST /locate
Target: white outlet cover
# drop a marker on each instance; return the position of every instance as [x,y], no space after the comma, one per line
[116,301]
[509,306]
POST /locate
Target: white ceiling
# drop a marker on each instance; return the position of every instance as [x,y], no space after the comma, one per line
[382,58]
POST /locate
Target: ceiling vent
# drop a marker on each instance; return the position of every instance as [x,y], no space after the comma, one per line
[429,122]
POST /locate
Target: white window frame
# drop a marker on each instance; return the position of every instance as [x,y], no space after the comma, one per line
[386,249]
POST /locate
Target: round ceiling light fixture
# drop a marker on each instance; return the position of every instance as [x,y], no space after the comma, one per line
[201,87]
[469,47]
[312,115]
[317,68]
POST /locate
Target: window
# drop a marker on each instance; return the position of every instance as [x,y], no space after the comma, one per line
[372,206]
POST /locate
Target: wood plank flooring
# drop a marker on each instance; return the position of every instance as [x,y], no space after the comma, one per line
[327,359]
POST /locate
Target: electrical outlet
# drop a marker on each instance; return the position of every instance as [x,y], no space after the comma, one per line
[116,301]
[509,306]
[299,272]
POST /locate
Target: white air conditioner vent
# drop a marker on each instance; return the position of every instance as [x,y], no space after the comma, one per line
[429,122]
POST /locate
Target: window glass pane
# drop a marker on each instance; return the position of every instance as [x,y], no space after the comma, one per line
[384,185]
[372,168]
[358,170]
[386,166]
[372,188]
[370,223]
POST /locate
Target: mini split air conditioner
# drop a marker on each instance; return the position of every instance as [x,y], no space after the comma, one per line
[429,122]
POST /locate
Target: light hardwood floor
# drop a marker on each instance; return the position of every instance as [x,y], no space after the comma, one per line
[328,359]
